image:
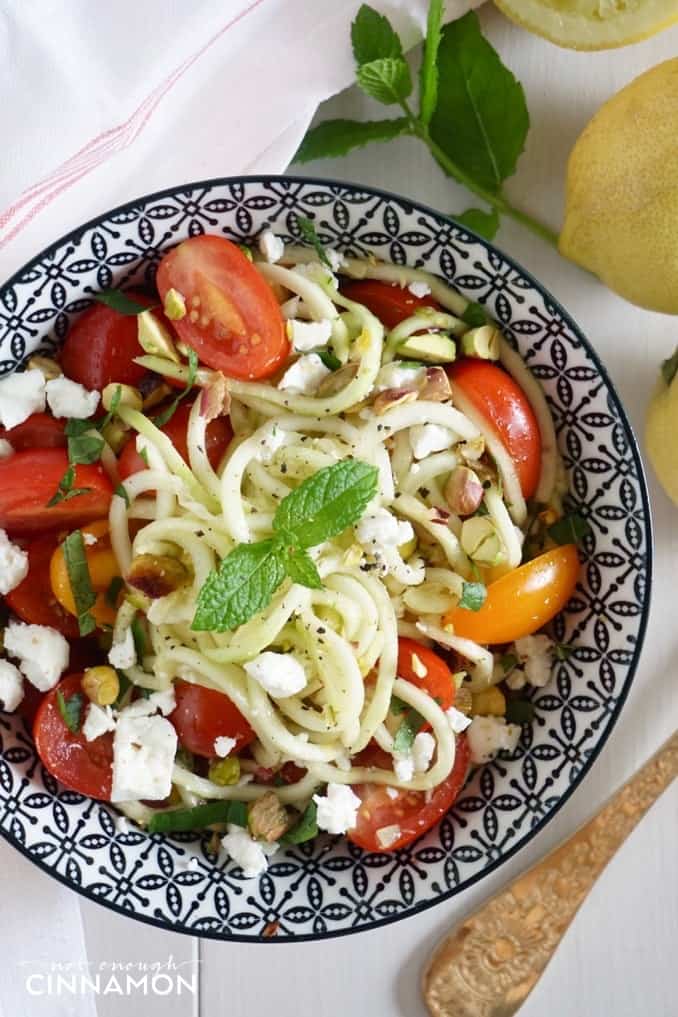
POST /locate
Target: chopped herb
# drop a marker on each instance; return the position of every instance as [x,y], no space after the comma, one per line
[143,452]
[125,686]
[85,449]
[409,726]
[569,530]
[121,492]
[199,817]
[519,711]
[120,302]
[167,414]
[305,829]
[139,637]
[79,578]
[113,592]
[508,661]
[70,710]
[65,490]
[562,652]
[328,358]
[473,596]
[309,235]
[398,706]
[115,402]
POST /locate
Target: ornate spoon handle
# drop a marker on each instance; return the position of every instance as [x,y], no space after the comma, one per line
[487,966]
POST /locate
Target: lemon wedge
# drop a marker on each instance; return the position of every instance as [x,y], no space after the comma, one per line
[591,24]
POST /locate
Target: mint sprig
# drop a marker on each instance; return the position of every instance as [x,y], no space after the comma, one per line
[322,507]
[70,710]
[75,557]
[472,114]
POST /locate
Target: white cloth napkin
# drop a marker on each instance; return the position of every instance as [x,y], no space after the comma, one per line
[103,103]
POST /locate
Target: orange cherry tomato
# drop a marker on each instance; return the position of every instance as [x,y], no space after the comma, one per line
[86,767]
[387,301]
[523,600]
[30,478]
[202,715]
[233,320]
[506,408]
[103,567]
[425,669]
[413,811]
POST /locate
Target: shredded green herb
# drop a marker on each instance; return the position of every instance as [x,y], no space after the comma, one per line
[75,557]
[179,820]
[70,710]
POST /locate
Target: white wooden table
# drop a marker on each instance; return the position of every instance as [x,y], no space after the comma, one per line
[620,955]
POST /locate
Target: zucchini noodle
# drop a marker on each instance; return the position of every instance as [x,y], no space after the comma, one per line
[345,634]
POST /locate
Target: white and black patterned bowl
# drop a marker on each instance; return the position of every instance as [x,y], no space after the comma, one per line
[330,887]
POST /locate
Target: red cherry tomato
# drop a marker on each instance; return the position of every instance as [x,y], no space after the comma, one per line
[39,431]
[101,345]
[202,715]
[33,600]
[233,320]
[410,810]
[522,601]
[388,301]
[505,407]
[219,434]
[437,680]
[80,765]
[29,479]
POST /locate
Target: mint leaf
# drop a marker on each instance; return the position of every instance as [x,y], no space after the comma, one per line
[398,706]
[73,549]
[328,358]
[481,119]
[199,817]
[474,315]
[337,137]
[121,492]
[86,449]
[485,224]
[310,236]
[569,530]
[167,414]
[373,37]
[327,503]
[388,80]
[120,302]
[115,402]
[428,74]
[670,367]
[305,829]
[243,584]
[113,590]
[301,569]
[473,596]
[70,710]
[407,731]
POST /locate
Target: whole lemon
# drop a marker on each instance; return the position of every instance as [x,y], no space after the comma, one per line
[621,211]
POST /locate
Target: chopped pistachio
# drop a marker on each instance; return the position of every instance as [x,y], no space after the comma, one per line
[156,575]
[463,700]
[174,305]
[116,434]
[432,347]
[482,342]
[154,337]
[47,367]
[489,703]
[480,540]
[267,817]
[225,772]
[463,491]
[101,685]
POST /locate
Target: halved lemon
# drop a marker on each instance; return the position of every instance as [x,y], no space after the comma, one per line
[592,24]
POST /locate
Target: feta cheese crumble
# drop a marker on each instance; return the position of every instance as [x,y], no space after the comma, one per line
[11,686]
[164,701]
[535,654]
[307,335]
[337,809]
[274,439]
[20,395]
[271,246]
[458,720]
[6,449]
[89,539]
[428,438]
[223,746]
[246,852]
[279,674]
[143,757]
[403,767]
[388,835]
[419,288]
[123,654]
[398,375]
[423,747]
[98,721]
[489,735]
[380,529]
[68,398]
[13,564]
[335,258]
[42,653]
[304,376]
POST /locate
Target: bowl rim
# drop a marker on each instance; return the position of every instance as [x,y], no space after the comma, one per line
[532,832]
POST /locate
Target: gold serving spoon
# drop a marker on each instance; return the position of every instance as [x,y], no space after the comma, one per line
[488,965]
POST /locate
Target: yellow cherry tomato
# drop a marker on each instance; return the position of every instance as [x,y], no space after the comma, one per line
[103,567]
[522,601]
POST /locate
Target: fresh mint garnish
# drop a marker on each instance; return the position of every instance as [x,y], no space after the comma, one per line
[120,302]
[65,491]
[73,549]
[305,829]
[485,224]
[338,137]
[428,72]
[70,710]
[407,731]
[322,507]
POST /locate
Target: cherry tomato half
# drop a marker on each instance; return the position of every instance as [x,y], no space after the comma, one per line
[33,600]
[437,680]
[38,431]
[101,345]
[388,301]
[29,479]
[80,765]
[410,810]
[523,600]
[218,434]
[233,320]
[202,715]
[505,407]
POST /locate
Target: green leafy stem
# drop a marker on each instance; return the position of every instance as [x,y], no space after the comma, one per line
[472,114]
